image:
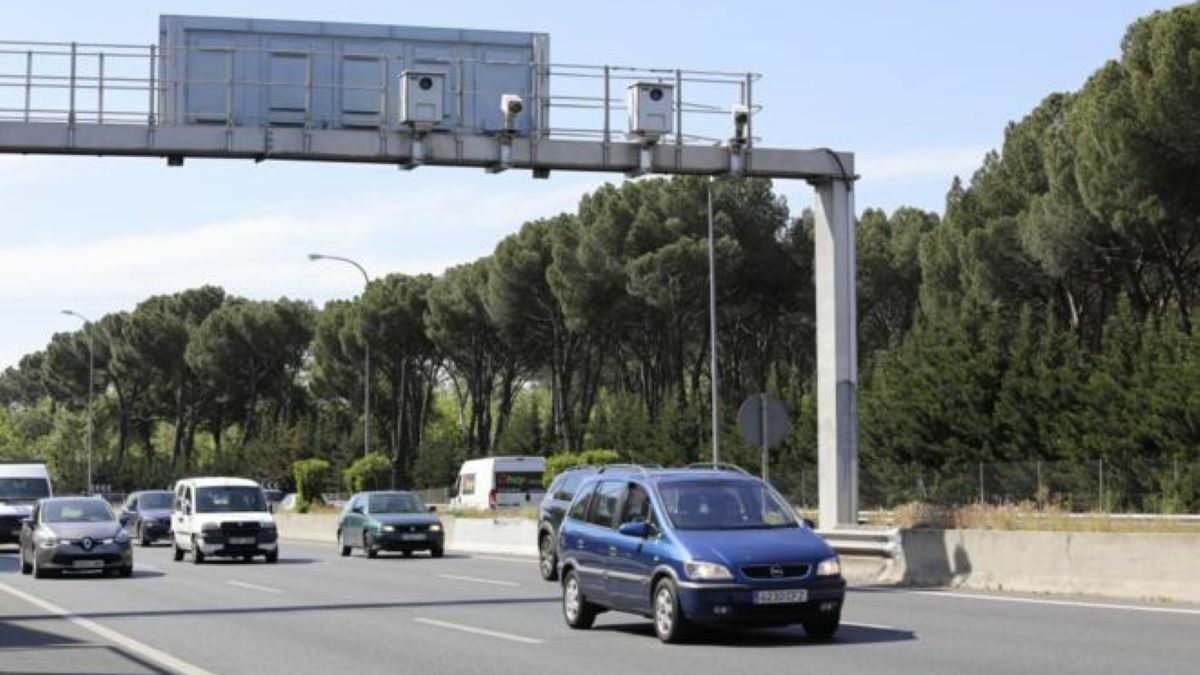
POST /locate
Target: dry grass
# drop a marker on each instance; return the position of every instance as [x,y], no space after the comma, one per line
[526,512]
[1024,516]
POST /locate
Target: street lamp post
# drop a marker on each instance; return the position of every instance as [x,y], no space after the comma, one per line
[366,353]
[87,328]
[712,330]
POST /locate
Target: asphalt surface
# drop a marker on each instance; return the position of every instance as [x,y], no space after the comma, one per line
[315,612]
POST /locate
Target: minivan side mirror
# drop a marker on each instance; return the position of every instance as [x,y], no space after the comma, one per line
[125,518]
[432,508]
[639,529]
[809,523]
[356,509]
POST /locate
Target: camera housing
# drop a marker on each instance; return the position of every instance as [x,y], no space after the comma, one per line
[651,106]
[741,121]
[511,106]
[422,99]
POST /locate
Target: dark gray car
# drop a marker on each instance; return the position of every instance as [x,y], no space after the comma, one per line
[147,515]
[74,534]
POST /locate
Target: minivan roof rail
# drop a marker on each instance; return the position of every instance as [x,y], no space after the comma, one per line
[717,466]
[633,467]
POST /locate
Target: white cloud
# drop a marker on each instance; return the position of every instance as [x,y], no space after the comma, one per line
[265,256]
[924,162]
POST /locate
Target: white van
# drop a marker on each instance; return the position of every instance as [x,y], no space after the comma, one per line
[226,517]
[21,485]
[491,482]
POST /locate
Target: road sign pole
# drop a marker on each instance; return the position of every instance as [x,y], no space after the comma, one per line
[762,420]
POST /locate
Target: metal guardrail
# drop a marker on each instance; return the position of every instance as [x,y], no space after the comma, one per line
[864,542]
[75,82]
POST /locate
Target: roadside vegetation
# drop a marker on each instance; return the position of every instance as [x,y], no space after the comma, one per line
[1047,317]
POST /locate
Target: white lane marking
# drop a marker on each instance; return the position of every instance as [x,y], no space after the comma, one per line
[253,587]
[479,631]
[523,561]
[138,648]
[1056,603]
[477,580]
[859,624]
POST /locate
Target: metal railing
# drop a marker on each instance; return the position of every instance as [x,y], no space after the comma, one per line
[71,82]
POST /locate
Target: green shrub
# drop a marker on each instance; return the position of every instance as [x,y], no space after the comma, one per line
[372,472]
[555,464]
[311,475]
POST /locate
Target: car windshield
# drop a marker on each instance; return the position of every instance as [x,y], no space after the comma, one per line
[399,502]
[23,489]
[229,499]
[76,511]
[154,500]
[733,505]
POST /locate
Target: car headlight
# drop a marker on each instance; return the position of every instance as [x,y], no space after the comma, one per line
[47,541]
[829,567]
[268,526]
[122,537]
[706,571]
[210,527]
[388,528]
[436,527]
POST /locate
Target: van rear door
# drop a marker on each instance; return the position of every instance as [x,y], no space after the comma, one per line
[518,488]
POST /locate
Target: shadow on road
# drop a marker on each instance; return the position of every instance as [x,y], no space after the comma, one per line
[298,609]
[790,636]
[25,650]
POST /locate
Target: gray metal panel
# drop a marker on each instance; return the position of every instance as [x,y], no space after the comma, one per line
[253,72]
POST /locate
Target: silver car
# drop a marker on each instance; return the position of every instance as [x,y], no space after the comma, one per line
[74,534]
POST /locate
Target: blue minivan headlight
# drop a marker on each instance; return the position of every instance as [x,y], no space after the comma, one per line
[706,571]
[829,567]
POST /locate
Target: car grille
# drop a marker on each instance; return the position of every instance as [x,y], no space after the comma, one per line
[785,571]
[409,529]
[236,529]
[10,522]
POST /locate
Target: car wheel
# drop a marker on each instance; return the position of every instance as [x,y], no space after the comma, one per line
[178,551]
[823,628]
[578,612]
[38,571]
[272,557]
[547,558]
[197,554]
[669,622]
[126,571]
[369,547]
[342,542]
[437,551]
[26,566]
[143,540]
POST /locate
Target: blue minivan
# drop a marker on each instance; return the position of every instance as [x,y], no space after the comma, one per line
[700,545]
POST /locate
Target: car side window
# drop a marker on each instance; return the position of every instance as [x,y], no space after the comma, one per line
[603,511]
[637,505]
[466,484]
[580,508]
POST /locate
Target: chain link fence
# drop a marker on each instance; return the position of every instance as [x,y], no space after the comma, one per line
[1090,485]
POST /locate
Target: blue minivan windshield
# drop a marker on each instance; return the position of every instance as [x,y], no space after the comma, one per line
[732,505]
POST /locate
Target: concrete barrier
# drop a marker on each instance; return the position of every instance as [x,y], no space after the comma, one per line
[1129,566]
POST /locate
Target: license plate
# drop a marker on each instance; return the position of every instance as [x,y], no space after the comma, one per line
[412,537]
[87,564]
[241,541]
[780,597]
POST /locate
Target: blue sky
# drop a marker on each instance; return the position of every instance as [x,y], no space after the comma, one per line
[919,90]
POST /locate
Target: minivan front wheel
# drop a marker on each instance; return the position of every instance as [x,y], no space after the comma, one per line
[578,612]
[669,623]
[547,559]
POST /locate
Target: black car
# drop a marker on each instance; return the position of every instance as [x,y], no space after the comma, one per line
[147,515]
[550,515]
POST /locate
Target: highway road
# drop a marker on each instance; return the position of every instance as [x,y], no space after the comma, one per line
[315,612]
